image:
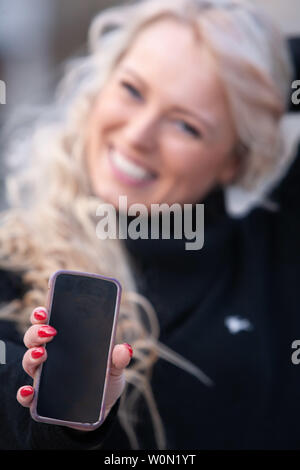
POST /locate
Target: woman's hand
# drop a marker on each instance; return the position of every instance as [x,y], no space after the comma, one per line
[39,334]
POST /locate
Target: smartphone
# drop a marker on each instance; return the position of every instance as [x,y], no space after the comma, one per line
[70,386]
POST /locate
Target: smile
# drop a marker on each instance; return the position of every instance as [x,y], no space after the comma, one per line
[128,171]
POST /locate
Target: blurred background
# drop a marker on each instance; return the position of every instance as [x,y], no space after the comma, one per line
[37,36]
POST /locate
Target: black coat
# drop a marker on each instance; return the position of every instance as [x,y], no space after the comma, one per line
[232,309]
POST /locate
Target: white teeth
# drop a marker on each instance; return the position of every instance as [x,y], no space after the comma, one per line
[128,167]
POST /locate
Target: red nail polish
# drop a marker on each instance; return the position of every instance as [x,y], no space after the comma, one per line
[37,352]
[40,314]
[129,349]
[46,331]
[26,391]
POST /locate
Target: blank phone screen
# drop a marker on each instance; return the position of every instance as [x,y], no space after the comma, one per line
[73,376]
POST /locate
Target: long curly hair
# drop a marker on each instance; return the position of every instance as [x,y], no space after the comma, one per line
[51,219]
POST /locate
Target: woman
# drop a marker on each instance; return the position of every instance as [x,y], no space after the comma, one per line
[179,102]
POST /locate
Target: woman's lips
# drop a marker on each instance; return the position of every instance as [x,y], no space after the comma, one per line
[128,171]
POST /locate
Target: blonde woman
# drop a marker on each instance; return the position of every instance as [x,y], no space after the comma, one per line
[179,101]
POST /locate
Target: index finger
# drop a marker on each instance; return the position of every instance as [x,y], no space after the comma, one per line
[39,316]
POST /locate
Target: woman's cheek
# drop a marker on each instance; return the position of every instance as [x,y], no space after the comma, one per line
[111,115]
[181,163]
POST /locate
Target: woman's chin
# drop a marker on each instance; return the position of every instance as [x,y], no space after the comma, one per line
[126,195]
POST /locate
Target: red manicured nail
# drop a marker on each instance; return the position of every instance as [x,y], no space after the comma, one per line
[46,331]
[40,314]
[129,349]
[26,391]
[37,352]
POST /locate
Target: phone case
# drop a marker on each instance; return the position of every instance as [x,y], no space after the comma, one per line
[36,383]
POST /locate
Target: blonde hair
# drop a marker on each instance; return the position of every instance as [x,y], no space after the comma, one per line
[52,226]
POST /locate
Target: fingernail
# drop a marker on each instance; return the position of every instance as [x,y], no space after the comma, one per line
[129,349]
[26,391]
[37,352]
[46,331]
[40,314]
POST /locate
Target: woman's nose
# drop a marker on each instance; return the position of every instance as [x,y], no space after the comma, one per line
[141,131]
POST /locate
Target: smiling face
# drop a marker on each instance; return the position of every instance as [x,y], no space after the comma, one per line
[160,131]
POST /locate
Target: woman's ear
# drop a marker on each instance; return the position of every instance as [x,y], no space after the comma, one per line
[233,165]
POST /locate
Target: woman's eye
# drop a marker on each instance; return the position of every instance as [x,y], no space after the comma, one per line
[131,89]
[190,129]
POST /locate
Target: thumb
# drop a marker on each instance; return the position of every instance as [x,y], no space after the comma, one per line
[121,357]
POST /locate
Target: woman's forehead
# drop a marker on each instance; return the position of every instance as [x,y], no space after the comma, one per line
[168,42]
[168,59]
